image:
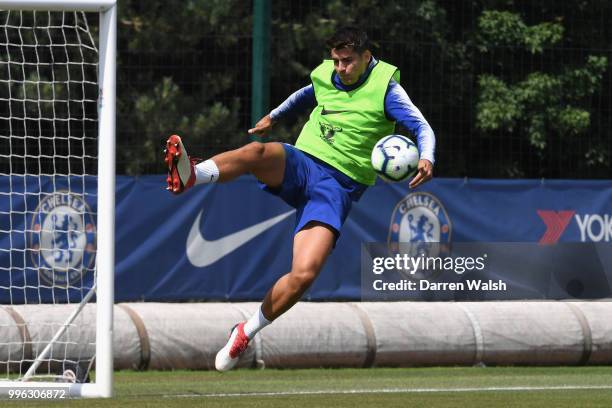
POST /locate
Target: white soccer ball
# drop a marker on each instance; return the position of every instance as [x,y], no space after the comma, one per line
[395,158]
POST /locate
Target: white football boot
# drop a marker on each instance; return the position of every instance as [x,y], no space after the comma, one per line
[229,355]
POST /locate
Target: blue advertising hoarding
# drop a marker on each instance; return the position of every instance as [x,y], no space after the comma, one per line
[232,241]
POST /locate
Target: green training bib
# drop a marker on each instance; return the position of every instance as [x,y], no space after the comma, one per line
[345,125]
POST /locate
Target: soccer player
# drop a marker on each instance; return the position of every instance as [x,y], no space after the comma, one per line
[355,100]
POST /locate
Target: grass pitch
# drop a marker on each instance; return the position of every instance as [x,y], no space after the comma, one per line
[378,387]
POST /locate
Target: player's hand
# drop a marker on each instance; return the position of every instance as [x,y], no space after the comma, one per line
[424,173]
[262,127]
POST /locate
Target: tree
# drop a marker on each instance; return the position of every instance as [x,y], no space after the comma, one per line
[543,106]
[506,84]
[178,72]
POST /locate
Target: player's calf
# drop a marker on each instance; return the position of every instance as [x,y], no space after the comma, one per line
[266,161]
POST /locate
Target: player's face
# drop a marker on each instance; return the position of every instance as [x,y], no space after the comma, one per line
[349,64]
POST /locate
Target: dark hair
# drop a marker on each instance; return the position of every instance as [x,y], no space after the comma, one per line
[349,36]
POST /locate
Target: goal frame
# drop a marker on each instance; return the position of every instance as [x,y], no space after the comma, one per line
[105,257]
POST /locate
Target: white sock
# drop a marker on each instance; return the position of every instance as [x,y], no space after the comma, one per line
[257,322]
[206,172]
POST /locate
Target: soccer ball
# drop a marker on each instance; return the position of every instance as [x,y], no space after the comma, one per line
[395,158]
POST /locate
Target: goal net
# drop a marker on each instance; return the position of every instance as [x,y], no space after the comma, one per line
[56,196]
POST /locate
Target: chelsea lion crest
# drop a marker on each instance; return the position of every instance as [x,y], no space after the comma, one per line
[63,239]
[421,221]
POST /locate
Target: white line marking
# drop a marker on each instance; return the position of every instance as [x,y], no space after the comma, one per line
[391,391]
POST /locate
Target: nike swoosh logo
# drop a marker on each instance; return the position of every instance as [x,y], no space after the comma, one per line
[202,252]
[331,112]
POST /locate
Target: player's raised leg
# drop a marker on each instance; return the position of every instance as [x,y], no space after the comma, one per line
[264,160]
[311,247]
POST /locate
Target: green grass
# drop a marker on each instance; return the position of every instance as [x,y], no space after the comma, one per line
[186,389]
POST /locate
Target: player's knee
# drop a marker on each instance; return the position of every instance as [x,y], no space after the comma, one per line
[300,282]
[255,150]
[304,273]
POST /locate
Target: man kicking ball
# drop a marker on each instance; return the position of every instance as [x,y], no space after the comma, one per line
[355,100]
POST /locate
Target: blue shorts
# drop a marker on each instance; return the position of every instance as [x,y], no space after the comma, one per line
[316,190]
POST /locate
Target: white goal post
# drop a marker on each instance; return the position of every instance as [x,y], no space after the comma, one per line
[103,285]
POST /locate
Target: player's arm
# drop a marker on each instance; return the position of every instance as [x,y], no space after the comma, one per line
[299,101]
[399,108]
